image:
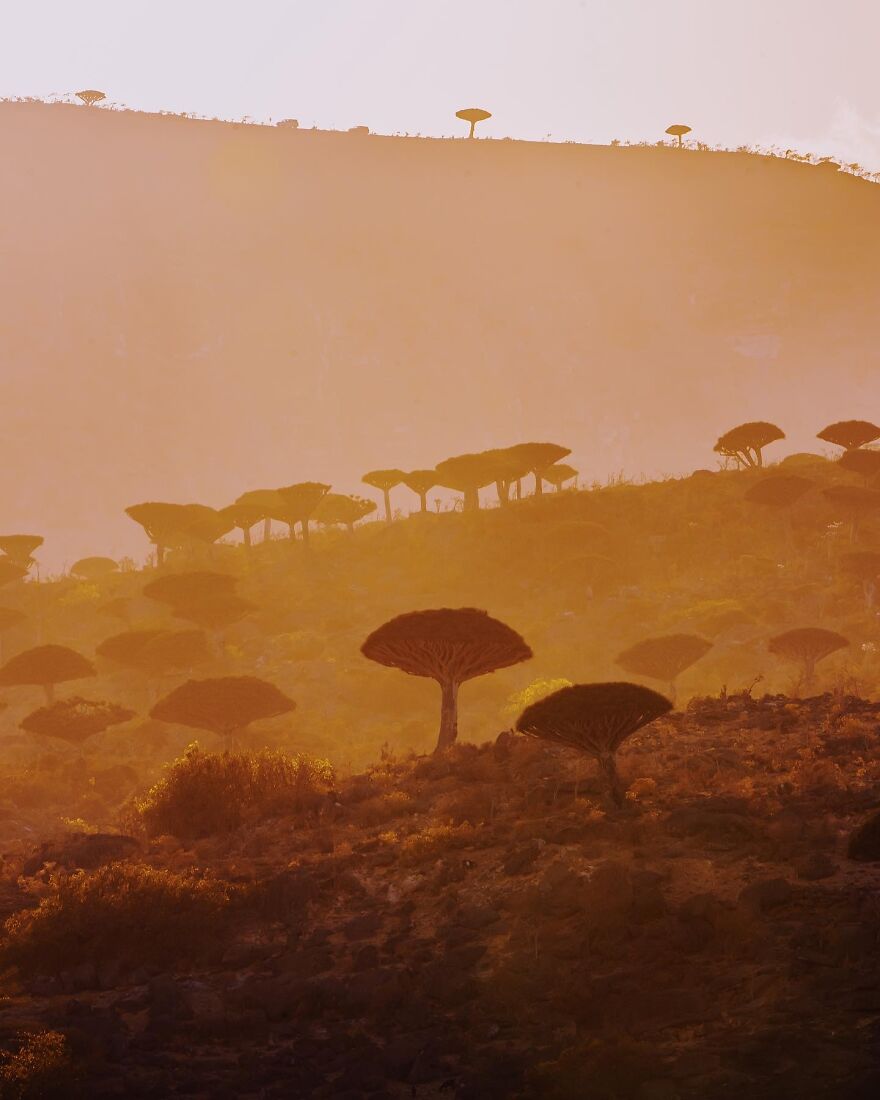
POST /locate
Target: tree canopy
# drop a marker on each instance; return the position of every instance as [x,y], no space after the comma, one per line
[223,705]
[746,442]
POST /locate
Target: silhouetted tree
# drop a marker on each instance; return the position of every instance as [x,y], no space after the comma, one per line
[538,458]
[20,548]
[336,508]
[165,524]
[807,646]
[226,705]
[75,720]
[595,719]
[299,502]
[472,115]
[678,130]
[467,474]
[255,506]
[450,646]
[558,474]
[94,568]
[865,464]
[214,612]
[91,96]
[421,482]
[850,434]
[664,658]
[746,442]
[385,481]
[156,651]
[45,666]
[10,572]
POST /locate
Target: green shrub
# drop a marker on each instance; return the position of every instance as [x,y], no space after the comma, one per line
[126,913]
[41,1068]
[203,794]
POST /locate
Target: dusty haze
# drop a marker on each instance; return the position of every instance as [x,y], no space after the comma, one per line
[193,309]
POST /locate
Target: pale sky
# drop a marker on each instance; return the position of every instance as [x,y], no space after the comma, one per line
[797,73]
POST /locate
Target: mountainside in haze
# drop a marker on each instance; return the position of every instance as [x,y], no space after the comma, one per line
[192,309]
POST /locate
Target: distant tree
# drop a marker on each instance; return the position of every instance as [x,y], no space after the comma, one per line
[421,482]
[864,565]
[20,548]
[746,442]
[75,720]
[664,658]
[336,508]
[850,434]
[10,617]
[226,705]
[852,503]
[255,506]
[558,474]
[205,525]
[94,568]
[156,652]
[450,646]
[466,474]
[678,130]
[864,463]
[472,115]
[538,458]
[299,502]
[10,572]
[214,612]
[45,666]
[165,524]
[595,719]
[384,480]
[807,646]
[176,588]
[91,96]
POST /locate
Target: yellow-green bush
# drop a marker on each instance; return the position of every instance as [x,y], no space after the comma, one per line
[41,1068]
[128,913]
[204,794]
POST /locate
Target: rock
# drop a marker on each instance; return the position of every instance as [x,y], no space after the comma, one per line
[815,866]
[864,844]
[764,895]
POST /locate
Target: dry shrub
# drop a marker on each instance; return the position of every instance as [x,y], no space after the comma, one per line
[126,913]
[814,774]
[384,808]
[204,794]
[41,1068]
[642,790]
[434,841]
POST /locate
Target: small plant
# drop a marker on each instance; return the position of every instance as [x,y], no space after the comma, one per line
[203,794]
[42,1068]
[128,913]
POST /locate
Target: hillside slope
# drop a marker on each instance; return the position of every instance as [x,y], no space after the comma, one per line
[191,309]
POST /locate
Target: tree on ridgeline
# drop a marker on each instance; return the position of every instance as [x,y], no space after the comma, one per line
[90,96]
[298,502]
[384,481]
[225,705]
[746,442]
[45,666]
[449,645]
[163,524]
[421,482]
[678,130]
[850,434]
[466,474]
[20,548]
[253,507]
[806,646]
[595,719]
[558,474]
[337,509]
[473,115]
[664,658]
[537,458]
[95,568]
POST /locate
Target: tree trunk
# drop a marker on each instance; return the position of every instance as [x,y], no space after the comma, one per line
[423,500]
[304,528]
[503,490]
[291,531]
[519,488]
[608,767]
[267,529]
[539,483]
[448,715]
[246,534]
[472,500]
[386,493]
[160,555]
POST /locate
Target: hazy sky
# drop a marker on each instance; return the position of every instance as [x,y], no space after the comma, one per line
[793,72]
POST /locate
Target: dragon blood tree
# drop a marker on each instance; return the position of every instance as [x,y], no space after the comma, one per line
[256,506]
[298,504]
[595,719]
[746,442]
[421,482]
[10,571]
[95,568]
[384,481]
[850,434]
[664,658]
[449,645]
[20,548]
[45,666]
[538,458]
[226,705]
[75,720]
[863,463]
[807,646]
[339,509]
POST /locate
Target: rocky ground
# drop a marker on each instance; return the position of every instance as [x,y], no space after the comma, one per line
[484,924]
